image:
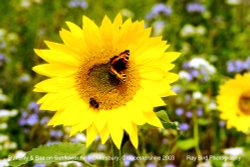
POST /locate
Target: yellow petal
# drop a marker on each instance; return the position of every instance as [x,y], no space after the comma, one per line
[134,136]
[87,119]
[142,101]
[155,100]
[151,74]
[56,84]
[73,42]
[135,113]
[39,90]
[117,21]
[76,31]
[52,121]
[107,33]
[101,120]
[58,101]
[169,57]
[91,135]
[152,119]
[62,48]
[80,115]
[116,132]
[91,31]
[149,53]
[104,134]
[56,57]
[55,70]
[160,88]
[121,40]
[77,52]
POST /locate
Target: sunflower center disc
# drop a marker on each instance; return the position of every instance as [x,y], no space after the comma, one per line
[244,103]
[100,77]
[102,90]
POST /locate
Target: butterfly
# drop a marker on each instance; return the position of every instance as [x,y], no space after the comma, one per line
[118,65]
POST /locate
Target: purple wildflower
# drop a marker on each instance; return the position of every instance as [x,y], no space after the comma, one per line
[34,107]
[78,3]
[247,62]
[195,7]
[161,8]
[183,126]
[73,4]
[170,165]
[199,112]
[2,59]
[151,164]
[32,119]
[186,65]
[157,10]
[237,66]
[83,5]
[2,56]
[22,121]
[222,123]
[39,165]
[150,16]
[230,66]
[127,159]
[44,120]
[189,114]
[55,133]
[194,73]
[179,111]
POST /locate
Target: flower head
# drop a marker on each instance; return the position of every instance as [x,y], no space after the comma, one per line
[195,7]
[238,66]
[159,9]
[107,79]
[234,102]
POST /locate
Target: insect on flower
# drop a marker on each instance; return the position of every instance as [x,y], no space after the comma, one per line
[118,65]
[93,103]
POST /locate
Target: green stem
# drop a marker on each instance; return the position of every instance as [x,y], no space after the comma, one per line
[196,138]
[116,156]
[248,139]
[137,153]
[85,163]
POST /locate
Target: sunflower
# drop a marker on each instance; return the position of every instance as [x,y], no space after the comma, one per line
[234,102]
[105,80]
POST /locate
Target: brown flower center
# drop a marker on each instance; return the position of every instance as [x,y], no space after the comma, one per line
[101,89]
[244,103]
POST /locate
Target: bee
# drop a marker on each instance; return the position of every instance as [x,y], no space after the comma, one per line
[93,103]
[118,65]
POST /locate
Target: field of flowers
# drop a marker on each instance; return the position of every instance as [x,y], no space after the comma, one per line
[202,129]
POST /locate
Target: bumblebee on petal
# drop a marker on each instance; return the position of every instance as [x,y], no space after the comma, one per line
[93,103]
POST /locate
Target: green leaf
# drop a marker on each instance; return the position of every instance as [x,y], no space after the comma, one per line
[163,116]
[186,144]
[217,162]
[53,153]
[203,121]
[18,162]
[171,125]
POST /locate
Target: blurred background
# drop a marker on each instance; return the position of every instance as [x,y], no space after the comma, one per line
[212,35]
